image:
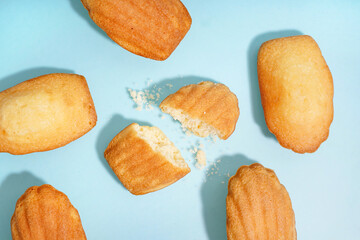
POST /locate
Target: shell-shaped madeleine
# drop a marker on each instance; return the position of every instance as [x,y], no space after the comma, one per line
[205,109]
[149,28]
[144,159]
[44,213]
[258,206]
[45,113]
[297,92]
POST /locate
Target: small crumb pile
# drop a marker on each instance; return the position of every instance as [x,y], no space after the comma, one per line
[200,156]
[201,159]
[147,99]
[144,99]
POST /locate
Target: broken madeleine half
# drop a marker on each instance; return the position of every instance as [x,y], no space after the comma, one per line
[43,213]
[258,206]
[45,113]
[205,109]
[149,28]
[144,159]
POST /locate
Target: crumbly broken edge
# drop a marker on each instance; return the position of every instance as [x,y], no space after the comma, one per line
[161,144]
[197,126]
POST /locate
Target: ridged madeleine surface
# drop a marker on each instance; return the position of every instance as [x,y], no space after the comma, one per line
[149,28]
[297,92]
[258,206]
[205,109]
[45,113]
[139,166]
[44,213]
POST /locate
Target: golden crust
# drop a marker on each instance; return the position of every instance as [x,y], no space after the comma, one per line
[297,91]
[258,206]
[149,28]
[45,213]
[140,169]
[45,113]
[212,103]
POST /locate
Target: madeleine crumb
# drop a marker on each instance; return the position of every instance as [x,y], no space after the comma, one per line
[201,159]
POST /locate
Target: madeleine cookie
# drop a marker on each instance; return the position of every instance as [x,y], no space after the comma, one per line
[205,109]
[149,28]
[297,91]
[258,206]
[45,113]
[45,213]
[144,159]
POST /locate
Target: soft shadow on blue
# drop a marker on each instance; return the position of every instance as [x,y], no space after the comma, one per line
[214,192]
[27,74]
[83,13]
[11,189]
[257,110]
[169,86]
[108,132]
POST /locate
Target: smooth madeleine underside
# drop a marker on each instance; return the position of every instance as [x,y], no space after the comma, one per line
[297,91]
[149,28]
[258,206]
[43,213]
[44,113]
[144,159]
[205,109]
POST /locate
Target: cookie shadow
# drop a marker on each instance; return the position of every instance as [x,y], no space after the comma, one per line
[214,192]
[257,110]
[11,189]
[107,133]
[169,86]
[24,75]
[83,13]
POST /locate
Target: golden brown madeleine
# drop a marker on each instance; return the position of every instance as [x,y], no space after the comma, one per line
[45,113]
[144,159]
[205,109]
[44,213]
[258,206]
[297,91]
[149,28]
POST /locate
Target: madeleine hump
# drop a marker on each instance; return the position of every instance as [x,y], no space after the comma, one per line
[44,213]
[45,113]
[149,28]
[297,92]
[258,206]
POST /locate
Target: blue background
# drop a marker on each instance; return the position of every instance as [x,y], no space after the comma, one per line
[39,37]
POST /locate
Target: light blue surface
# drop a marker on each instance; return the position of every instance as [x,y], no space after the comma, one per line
[40,37]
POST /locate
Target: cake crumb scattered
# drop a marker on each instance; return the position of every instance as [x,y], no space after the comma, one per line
[193,150]
[201,159]
[144,99]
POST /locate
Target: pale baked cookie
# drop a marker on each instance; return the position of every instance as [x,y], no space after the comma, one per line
[144,159]
[258,206]
[43,213]
[149,28]
[205,109]
[297,91]
[45,113]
